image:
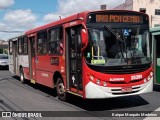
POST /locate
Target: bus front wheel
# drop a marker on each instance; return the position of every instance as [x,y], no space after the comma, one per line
[61,90]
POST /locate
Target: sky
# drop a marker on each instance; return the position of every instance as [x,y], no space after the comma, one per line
[18,16]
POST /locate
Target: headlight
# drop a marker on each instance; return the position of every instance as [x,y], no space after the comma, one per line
[104,84]
[98,82]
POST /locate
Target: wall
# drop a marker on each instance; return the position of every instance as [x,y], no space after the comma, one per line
[150,6]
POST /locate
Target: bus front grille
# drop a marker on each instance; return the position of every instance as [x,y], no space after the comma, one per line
[120,69]
[123,82]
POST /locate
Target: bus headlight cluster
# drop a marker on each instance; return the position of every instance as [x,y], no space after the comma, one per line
[149,77]
[104,84]
[145,80]
[97,81]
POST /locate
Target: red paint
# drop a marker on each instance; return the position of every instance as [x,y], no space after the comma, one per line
[106,77]
[74,90]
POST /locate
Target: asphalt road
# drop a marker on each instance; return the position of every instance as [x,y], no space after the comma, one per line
[15,96]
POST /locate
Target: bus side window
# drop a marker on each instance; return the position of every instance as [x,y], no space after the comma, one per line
[25,45]
[20,43]
[39,46]
[42,43]
[55,38]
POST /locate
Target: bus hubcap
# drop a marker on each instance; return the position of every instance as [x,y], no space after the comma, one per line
[61,89]
[21,77]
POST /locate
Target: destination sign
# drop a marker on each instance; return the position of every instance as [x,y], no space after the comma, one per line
[119,18]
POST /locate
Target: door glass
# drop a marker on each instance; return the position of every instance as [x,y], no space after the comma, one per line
[33,47]
[32,57]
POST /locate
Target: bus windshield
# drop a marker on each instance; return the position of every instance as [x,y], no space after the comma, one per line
[118,46]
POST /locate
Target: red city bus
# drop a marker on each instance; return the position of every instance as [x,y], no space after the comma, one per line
[97,54]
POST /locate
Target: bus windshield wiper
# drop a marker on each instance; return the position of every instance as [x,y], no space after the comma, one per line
[117,36]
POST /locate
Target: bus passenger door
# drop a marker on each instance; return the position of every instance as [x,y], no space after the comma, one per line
[74,58]
[32,59]
[15,59]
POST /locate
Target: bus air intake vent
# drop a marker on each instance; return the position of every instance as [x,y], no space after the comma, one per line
[123,82]
[125,93]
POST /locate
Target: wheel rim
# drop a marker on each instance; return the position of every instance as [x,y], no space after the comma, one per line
[22,77]
[60,89]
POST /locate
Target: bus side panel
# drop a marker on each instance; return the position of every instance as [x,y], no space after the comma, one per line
[26,73]
[23,61]
[45,78]
[45,71]
[44,63]
[11,63]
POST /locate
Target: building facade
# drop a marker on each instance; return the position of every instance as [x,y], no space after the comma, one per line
[150,7]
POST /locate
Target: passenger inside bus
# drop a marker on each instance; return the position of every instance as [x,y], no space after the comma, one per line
[39,46]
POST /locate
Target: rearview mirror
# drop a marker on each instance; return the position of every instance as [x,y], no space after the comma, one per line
[84,37]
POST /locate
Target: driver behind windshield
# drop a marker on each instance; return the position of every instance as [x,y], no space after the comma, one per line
[116,46]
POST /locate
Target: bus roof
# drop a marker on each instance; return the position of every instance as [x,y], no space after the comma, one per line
[59,22]
[71,18]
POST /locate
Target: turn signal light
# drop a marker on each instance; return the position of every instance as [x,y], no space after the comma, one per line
[91,77]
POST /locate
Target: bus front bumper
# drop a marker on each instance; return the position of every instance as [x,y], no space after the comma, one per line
[94,91]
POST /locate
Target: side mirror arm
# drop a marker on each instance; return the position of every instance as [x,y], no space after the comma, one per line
[84,36]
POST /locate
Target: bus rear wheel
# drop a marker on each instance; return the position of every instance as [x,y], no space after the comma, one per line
[61,93]
[22,79]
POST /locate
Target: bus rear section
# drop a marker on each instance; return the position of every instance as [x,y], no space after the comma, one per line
[117,61]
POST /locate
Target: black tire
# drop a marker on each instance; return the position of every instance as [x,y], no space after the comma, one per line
[22,79]
[61,93]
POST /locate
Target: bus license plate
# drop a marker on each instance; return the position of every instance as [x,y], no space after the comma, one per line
[127,89]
